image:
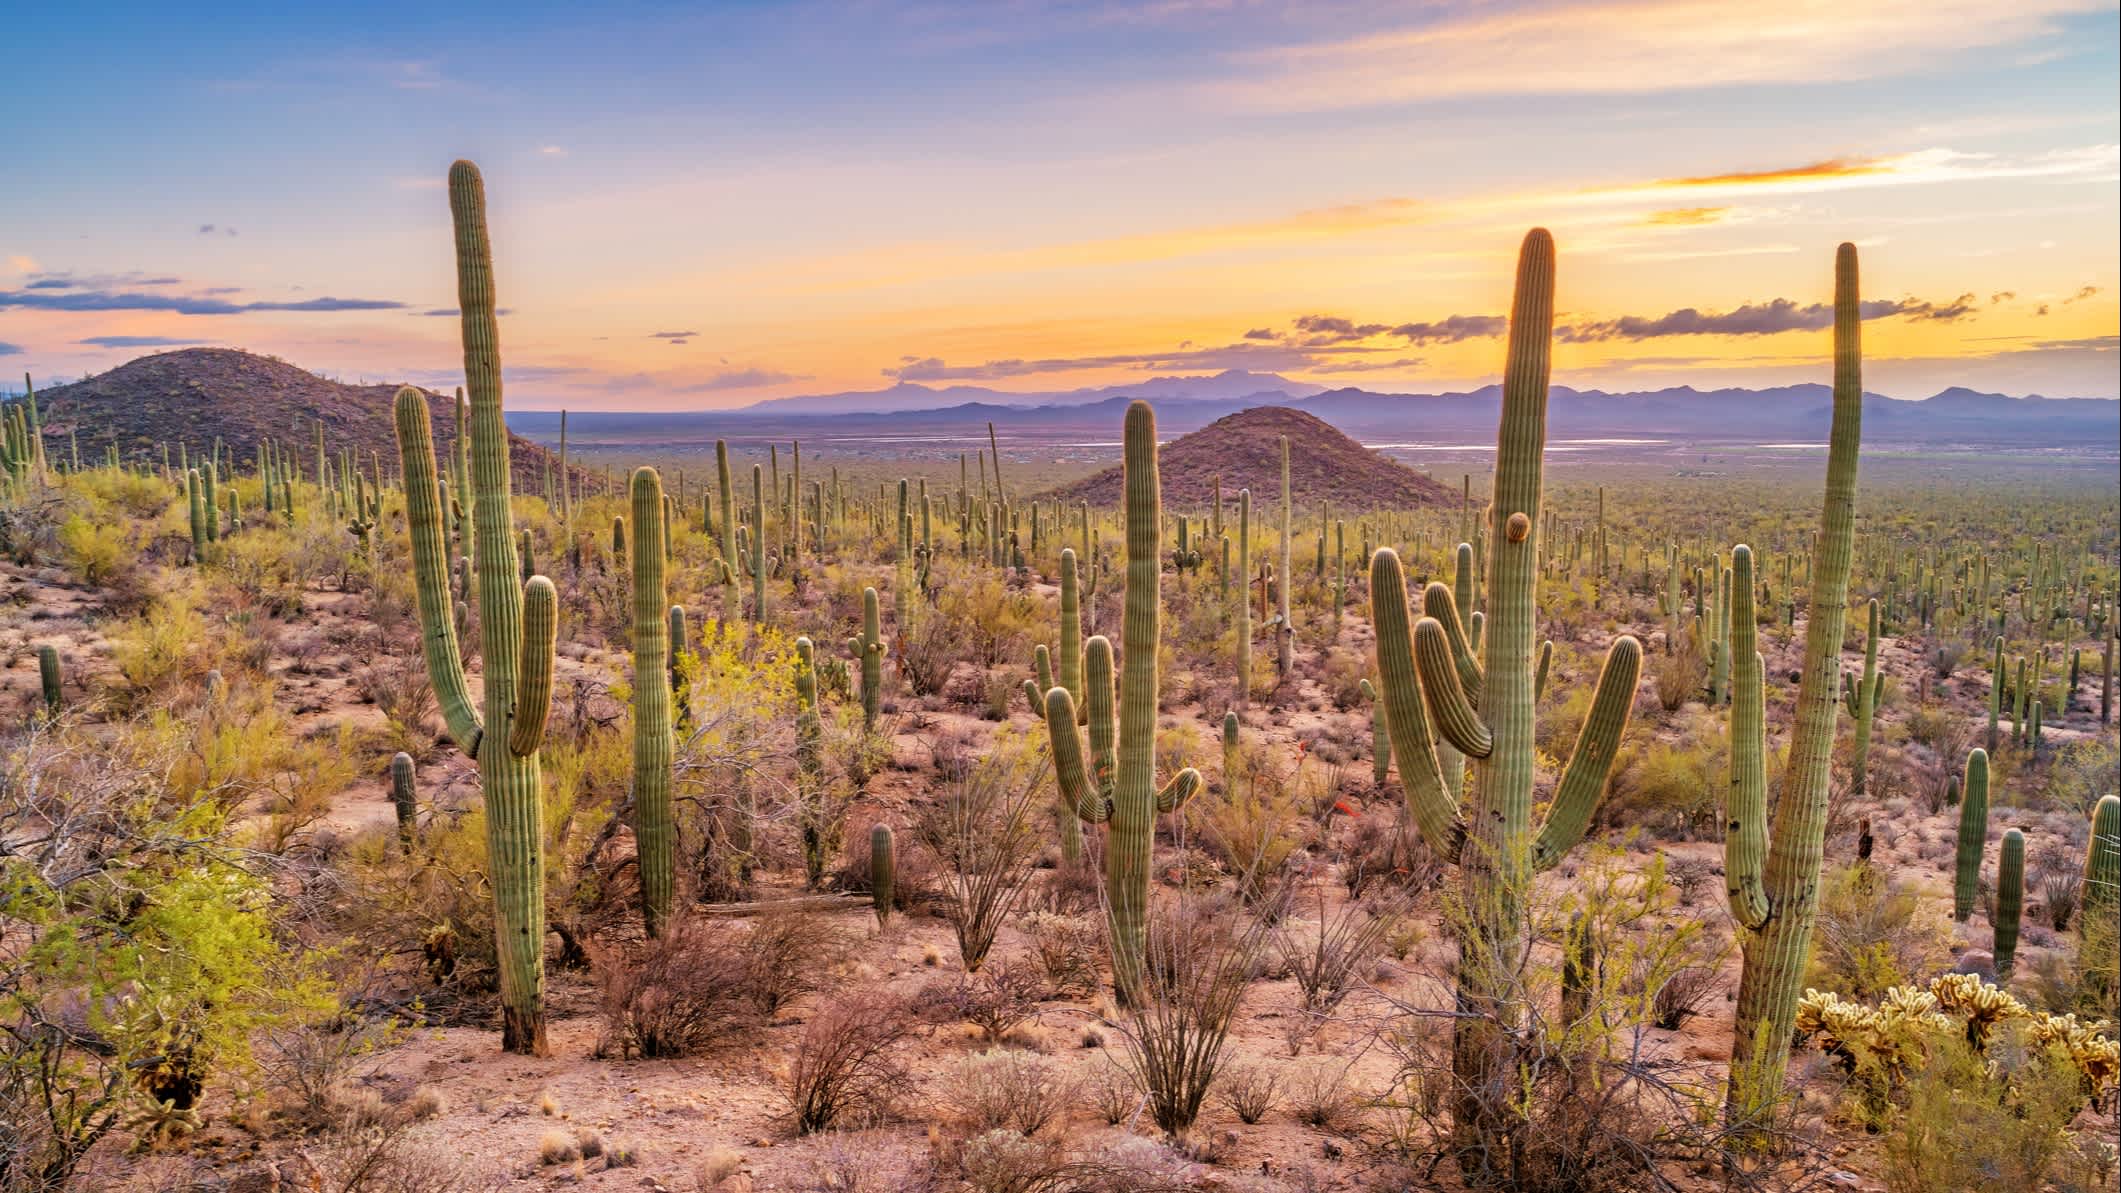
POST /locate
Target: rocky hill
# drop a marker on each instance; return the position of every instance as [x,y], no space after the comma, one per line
[197,395]
[1244,449]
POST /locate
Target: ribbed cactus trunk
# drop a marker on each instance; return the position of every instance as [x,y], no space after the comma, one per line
[1119,786]
[883,870]
[2102,856]
[1284,629]
[654,816]
[1863,699]
[732,601]
[1484,707]
[1973,836]
[868,650]
[2010,900]
[1778,941]
[1071,678]
[404,798]
[49,679]
[517,623]
[819,837]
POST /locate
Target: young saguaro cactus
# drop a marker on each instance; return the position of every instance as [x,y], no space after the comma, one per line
[405,798]
[868,650]
[1432,683]
[883,870]
[1973,835]
[1120,790]
[2102,855]
[654,815]
[1775,879]
[2010,899]
[1863,698]
[517,629]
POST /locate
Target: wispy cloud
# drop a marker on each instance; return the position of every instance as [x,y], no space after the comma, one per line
[136,342]
[1604,48]
[216,230]
[674,338]
[107,300]
[7,349]
[741,379]
[1757,319]
[552,151]
[1686,217]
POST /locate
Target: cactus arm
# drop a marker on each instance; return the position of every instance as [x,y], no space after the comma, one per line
[1438,603]
[1453,713]
[1182,787]
[1539,673]
[1089,804]
[430,565]
[1745,810]
[1098,714]
[1583,782]
[1042,669]
[1434,811]
[526,726]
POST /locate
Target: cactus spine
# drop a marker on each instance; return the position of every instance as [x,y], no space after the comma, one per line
[654,818]
[1778,939]
[2010,900]
[517,628]
[1973,836]
[1122,791]
[1431,682]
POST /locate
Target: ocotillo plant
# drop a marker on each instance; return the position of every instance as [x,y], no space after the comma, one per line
[2010,900]
[1776,882]
[1863,698]
[1973,835]
[517,627]
[1485,708]
[1122,791]
[654,815]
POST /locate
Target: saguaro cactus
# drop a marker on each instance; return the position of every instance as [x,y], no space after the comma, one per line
[1432,682]
[868,650]
[1776,879]
[654,817]
[1244,596]
[404,797]
[1122,790]
[2010,899]
[1973,835]
[517,624]
[49,679]
[2102,855]
[1863,698]
[883,870]
[1380,737]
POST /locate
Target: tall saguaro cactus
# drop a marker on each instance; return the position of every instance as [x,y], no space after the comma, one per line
[1432,682]
[517,624]
[1775,879]
[1120,790]
[654,818]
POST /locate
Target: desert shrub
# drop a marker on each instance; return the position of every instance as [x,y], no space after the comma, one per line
[1319,1096]
[1249,1091]
[1674,787]
[1066,950]
[982,835]
[1973,1124]
[847,1069]
[1873,933]
[2083,771]
[1341,676]
[787,954]
[1386,851]
[1326,953]
[1256,828]
[1197,967]
[171,642]
[141,952]
[999,1088]
[1679,673]
[1683,995]
[997,999]
[684,993]
[929,652]
[95,550]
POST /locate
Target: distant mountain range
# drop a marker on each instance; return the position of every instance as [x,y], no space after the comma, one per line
[1789,413]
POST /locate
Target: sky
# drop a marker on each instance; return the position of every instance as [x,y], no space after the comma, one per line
[699,206]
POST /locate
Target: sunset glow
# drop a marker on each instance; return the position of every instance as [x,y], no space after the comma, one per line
[714,206]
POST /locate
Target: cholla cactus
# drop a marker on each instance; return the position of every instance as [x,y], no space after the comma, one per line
[517,621]
[1119,787]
